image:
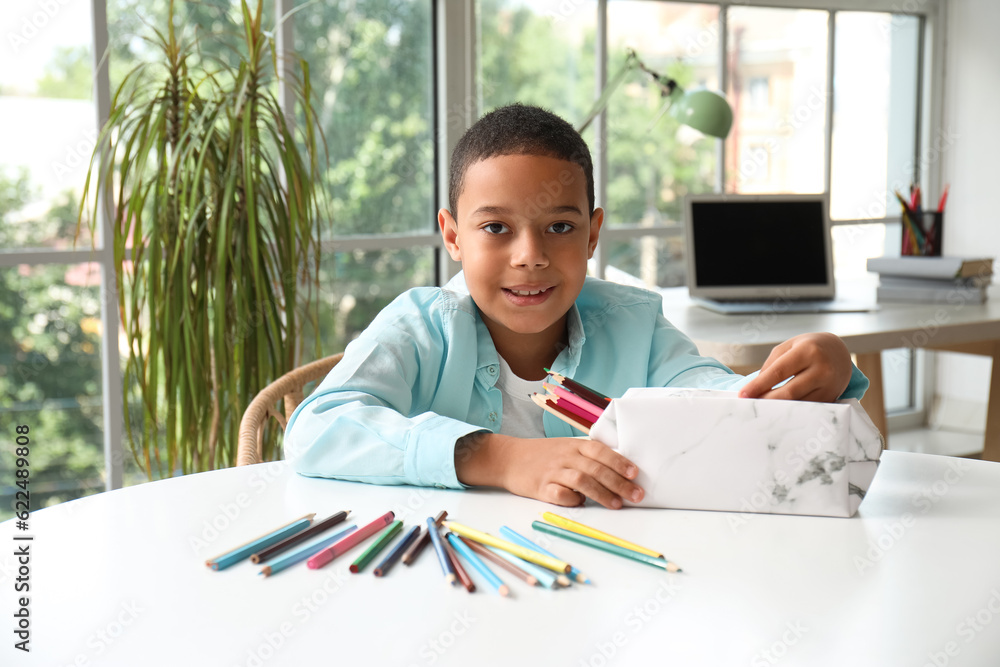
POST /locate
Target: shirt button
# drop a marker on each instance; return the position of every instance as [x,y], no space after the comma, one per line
[493,416]
[492,370]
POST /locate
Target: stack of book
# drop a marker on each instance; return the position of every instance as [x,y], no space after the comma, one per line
[932,279]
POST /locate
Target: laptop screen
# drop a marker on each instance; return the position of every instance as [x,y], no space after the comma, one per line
[759,246]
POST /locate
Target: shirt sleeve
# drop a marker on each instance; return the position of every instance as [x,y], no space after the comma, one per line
[676,363]
[370,421]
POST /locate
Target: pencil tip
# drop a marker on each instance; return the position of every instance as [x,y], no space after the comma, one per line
[504,590]
[450,578]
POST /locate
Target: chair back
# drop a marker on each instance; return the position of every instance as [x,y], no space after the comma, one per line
[286,390]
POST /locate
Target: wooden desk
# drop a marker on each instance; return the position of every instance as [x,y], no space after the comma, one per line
[119,579]
[743,342]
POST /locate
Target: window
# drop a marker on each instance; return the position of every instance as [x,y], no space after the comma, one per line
[805,108]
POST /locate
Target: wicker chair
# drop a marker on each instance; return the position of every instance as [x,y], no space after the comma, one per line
[288,390]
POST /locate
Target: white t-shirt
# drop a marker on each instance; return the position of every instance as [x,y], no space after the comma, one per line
[522,418]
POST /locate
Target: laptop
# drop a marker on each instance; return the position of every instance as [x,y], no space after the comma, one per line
[762,254]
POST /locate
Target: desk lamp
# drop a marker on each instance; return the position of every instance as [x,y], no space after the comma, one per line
[704,110]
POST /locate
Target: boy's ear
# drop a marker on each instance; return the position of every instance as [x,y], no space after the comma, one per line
[449,233]
[596,220]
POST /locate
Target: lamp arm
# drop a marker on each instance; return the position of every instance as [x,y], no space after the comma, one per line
[666,84]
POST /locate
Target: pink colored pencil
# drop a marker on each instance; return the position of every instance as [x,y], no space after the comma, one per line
[585,408]
[323,557]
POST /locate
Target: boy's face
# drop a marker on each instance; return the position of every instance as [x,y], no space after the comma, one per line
[523,236]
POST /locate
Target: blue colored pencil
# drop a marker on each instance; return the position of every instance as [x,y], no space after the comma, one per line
[476,562]
[449,571]
[397,551]
[262,542]
[301,554]
[545,577]
[525,542]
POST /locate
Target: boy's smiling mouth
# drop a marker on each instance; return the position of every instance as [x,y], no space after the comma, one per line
[526,294]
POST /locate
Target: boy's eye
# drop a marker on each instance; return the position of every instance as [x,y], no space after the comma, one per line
[560,227]
[494,228]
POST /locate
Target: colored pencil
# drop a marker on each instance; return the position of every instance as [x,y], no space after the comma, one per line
[422,541]
[577,527]
[517,538]
[545,578]
[944,199]
[376,547]
[526,554]
[321,558]
[209,561]
[500,558]
[300,555]
[298,538]
[477,563]
[573,403]
[243,551]
[397,551]
[446,567]
[590,414]
[586,392]
[567,417]
[543,527]
[463,576]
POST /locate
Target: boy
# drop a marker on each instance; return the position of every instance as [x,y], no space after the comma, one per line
[436,390]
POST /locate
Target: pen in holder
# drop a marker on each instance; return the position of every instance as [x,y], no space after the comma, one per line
[922,233]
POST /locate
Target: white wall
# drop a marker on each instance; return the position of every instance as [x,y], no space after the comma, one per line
[971,163]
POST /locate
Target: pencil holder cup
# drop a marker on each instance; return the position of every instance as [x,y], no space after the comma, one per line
[922,233]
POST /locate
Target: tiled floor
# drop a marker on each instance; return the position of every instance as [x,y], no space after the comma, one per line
[930,441]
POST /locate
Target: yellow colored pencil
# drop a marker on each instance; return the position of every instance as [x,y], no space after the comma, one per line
[581,529]
[529,555]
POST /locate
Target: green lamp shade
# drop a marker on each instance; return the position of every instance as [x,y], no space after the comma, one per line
[704,110]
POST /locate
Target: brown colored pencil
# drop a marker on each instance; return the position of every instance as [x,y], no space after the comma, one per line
[228,551]
[422,541]
[463,576]
[510,567]
[561,413]
[291,541]
[595,397]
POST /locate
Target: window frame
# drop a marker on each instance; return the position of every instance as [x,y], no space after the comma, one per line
[454,47]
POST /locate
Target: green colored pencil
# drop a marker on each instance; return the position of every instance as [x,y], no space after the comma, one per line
[543,527]
[383,539]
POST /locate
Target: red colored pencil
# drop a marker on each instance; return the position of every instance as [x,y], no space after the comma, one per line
[566,398]
[326,555]
[586,392]
[578,423]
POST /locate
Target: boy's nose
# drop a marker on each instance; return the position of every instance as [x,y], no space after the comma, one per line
[529,251]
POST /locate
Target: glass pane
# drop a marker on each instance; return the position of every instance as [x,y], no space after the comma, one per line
[371,66]
[50,379]
[47,121]
[897,379]
[356,285]
[778,90]
[852,246]
[537,53]
[875,113]
[653,161]
[648,261]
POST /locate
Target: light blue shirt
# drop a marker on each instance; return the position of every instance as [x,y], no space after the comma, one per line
[424,374]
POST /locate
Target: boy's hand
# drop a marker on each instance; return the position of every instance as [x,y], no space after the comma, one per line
[561,471]
[819,362]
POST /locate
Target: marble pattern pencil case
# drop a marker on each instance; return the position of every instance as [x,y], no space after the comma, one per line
[707,449]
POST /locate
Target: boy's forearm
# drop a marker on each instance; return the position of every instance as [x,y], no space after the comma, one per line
[480,459]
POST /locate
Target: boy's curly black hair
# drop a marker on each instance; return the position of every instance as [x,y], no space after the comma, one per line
[518,129]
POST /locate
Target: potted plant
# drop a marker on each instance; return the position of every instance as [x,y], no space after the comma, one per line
[215,206]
